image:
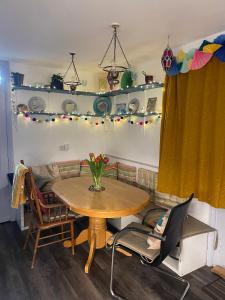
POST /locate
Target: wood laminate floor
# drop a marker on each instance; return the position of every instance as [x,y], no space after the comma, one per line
[60,276]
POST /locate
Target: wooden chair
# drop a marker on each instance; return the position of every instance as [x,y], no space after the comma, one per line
[47,213]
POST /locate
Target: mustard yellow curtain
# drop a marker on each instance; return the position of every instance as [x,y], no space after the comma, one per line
[192,150]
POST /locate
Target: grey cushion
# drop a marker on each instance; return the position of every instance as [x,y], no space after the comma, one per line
[137,242]
[152,213]
[193,227]
[45,176]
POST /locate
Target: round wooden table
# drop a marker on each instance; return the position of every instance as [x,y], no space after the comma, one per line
[118,200]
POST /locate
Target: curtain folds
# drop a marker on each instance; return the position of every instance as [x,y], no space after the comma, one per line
[192,150]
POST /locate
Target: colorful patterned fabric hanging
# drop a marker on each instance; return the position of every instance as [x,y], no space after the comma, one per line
[194,59]
[167,58]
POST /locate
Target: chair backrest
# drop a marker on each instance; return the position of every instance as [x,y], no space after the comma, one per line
[174,228]
[31,192]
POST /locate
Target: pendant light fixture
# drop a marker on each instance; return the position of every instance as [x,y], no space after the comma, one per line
[113,69]
[72,84]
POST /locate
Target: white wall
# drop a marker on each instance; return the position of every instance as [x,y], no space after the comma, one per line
[39,143]
[132,142]
[151,67]
[41,74]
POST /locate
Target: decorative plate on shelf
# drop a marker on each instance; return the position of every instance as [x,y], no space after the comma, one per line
[69,106]
[102,105]
[36,104]
[133,105]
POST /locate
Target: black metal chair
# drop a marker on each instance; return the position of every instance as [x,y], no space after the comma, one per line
[133,238]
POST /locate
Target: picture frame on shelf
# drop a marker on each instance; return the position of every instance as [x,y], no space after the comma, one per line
[121,108]
[151,105]
[69,106]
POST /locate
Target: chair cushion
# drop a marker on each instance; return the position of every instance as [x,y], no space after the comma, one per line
[111,170]
[166,200]
[84,168]
[137,242]
[68,169]
[126,173]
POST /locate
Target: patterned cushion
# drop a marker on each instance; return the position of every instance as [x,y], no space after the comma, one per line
[148,179]
[126,173]
[111,170]
[68,169]
[45,175]
[177,200]
[166,200]
[84,168]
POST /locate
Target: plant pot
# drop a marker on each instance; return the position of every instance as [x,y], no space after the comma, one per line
[148,79]
[17,79]
[57,84]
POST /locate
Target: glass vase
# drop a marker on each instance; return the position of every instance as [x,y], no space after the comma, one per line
[97,186]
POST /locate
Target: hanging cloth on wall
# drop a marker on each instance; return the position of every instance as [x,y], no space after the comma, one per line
[192,152]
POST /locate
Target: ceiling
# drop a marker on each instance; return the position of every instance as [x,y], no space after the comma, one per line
[45,31]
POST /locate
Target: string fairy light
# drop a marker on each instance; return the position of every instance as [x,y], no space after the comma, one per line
[139,119]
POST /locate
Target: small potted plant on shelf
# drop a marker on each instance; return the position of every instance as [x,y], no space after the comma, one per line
[17,78]
[57,82]
[97,165]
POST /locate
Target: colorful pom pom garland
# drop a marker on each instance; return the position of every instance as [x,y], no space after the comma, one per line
[194,59]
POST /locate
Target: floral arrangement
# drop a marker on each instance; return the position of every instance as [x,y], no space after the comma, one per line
[97,165]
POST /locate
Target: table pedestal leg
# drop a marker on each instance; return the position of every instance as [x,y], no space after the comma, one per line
[97,226]
[97,236]
[82,237]
[92,244]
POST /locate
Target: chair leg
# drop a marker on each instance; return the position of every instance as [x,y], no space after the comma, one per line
[177,278]
[117,296]
[27,236]
[72,237]
[35,247]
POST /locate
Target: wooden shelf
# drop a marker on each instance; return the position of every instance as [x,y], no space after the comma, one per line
[48,90]
[51,114]
[139,88]
[129,90]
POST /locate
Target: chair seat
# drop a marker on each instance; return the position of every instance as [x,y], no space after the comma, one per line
[137,242]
